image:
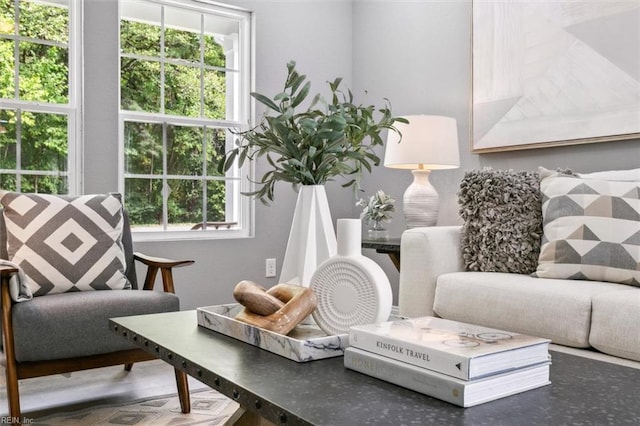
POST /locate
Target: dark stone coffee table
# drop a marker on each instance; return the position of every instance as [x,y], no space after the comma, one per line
[583,391]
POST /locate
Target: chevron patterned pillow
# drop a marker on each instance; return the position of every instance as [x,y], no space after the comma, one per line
[591,229]
[66,243]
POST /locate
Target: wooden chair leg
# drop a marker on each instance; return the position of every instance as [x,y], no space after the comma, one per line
[13,393]
[128,366]
[183,391]
[11,368]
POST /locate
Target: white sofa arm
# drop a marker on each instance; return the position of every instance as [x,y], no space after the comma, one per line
[426,253]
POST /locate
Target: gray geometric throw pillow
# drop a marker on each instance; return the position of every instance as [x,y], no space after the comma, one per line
[66,243]
[591,229]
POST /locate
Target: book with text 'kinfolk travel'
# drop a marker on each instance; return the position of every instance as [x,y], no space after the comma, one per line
[465,393]
[461,350]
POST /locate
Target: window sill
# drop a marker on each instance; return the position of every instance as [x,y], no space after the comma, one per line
[190,235]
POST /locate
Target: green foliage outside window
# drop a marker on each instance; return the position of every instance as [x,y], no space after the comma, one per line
[43,77]
[192,88]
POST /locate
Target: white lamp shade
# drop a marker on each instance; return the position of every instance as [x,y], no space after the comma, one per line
[428,142]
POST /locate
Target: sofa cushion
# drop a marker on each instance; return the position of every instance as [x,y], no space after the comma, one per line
[502,220]
[66,243]
[614,326]
[559,310]
[591,229]
[75,324]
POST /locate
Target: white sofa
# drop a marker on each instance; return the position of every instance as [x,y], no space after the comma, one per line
[579,314]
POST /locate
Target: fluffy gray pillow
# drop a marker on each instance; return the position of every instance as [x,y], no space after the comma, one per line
[502,217]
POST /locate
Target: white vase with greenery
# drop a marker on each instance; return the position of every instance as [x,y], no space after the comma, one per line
[311,146]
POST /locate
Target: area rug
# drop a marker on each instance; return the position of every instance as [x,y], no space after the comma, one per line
[208,407]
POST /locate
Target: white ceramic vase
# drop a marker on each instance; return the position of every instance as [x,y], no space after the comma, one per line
[312,238]
[351,289]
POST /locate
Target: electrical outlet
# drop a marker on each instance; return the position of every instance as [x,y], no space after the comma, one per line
[270,268]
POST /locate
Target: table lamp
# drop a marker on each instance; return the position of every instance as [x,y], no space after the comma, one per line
[428,142]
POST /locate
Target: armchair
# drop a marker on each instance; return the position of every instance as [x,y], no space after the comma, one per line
[67,330]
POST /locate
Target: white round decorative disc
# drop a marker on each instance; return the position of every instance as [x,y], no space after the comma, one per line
[350,291]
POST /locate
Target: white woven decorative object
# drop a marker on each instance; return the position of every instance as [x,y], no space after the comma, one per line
[312,239]
[351,289]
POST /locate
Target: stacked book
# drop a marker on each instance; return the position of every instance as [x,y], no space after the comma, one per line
[456,362]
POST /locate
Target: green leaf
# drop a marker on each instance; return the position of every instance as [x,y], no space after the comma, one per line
[295,84]
[328,139]
[265,101]
[302,95]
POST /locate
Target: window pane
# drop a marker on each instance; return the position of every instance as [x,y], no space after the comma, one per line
[44,21]
[216,199]
[184,150]
[140,85]
[140,27]
[140,39]
[143,201]
[182,34]
[221,35]
[44,73]
[8,140]
[44,184]
[8,182]
[215,95]
[182,45]
[7,17]
[216,147]
[213,52]
[182,90]
[7,69]
[185,202]
[143,148]
[44,141]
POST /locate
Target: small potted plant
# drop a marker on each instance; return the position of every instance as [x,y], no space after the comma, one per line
[377,210]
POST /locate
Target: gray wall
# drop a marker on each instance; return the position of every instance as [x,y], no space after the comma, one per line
[416,53]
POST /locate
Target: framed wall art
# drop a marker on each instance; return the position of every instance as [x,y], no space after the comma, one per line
[554,73]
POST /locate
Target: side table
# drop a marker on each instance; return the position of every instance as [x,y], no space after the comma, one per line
[390,246]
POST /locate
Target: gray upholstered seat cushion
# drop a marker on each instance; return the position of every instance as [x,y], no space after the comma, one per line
[75,324]
[559,310]
[614,329]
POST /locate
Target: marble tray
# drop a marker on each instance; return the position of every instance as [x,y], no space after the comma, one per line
[304,343]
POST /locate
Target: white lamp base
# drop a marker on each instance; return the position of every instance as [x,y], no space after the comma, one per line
[420,202]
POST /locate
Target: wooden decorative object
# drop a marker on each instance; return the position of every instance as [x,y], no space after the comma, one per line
[297,303]
[256,299]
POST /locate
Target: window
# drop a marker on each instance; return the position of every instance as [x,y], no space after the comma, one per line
[184,85]
[39,56]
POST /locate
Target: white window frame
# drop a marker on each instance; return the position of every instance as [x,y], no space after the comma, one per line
[72,109]
[239,207]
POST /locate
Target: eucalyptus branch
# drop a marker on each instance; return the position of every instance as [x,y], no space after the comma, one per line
[313,146]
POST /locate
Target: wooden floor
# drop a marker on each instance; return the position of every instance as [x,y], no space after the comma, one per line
[68,392]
